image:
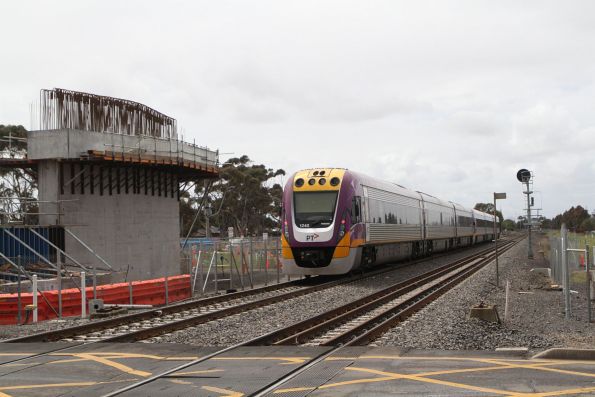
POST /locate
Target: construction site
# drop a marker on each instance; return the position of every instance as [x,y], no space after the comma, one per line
[109,173]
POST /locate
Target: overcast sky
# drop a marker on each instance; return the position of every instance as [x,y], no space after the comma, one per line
[447,97]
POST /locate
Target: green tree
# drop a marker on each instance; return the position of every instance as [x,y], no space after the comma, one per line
[16,184]
[244,197]
[508,224]
[588,224]
[573,218]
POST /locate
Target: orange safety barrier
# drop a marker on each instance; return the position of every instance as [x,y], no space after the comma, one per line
[146,292]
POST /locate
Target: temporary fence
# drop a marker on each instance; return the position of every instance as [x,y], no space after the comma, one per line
[572,254]
[231,264]
[208,266]
[74,303]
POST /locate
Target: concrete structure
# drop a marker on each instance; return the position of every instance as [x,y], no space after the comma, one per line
[117,193]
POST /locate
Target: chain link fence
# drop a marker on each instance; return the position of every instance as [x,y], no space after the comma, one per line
[232,264]
[572,265]
[576,260]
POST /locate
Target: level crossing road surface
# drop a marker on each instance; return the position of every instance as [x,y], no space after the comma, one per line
[57,369]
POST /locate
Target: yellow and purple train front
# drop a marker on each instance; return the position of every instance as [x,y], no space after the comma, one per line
[322,231]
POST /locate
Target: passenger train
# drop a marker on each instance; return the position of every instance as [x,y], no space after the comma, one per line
[335,221]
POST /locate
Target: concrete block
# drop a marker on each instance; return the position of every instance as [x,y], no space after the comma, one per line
[95,305]
[485,312]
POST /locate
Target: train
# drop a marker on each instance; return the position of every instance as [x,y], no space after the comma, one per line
[335,221]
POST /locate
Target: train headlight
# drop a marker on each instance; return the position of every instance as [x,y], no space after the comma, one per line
[342,229]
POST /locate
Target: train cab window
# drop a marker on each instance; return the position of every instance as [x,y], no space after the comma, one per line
[314,209]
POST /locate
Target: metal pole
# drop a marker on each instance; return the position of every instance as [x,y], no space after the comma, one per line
[59,286]
[94,282]
[266,263]
[199,268]
[166,291]
[216,280]
[34,292]
[19,303]
[496,245]
[529,222]
[587,260]
[83,295]
[251,259]
[195,270]
[230,264]
[565,278]
[506,300]
[130,293]
[242,262]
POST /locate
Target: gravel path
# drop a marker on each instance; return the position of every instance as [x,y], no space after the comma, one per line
[536,318]
[248,325]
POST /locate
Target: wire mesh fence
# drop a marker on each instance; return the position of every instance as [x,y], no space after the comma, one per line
[576,260]
[571,259]
[232,264]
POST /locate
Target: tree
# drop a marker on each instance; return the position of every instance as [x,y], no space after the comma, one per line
[573,218]
[17,185]
[244,197]
[508,224]
[588,224]
[489,209]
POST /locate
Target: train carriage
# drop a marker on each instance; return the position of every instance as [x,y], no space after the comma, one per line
[335,221]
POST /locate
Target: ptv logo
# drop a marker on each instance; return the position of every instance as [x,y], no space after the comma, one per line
[311,237]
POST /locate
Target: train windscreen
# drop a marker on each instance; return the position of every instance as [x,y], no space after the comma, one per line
[314,209]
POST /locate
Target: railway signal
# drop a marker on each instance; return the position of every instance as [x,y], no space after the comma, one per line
[524,176]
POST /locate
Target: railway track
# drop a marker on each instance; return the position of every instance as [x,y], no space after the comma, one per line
[355,327]
[361,321]
[153,323]
[105,329]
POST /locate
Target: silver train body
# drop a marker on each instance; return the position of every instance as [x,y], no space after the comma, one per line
[336,221]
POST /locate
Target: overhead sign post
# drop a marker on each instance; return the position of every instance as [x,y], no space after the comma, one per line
[497,196]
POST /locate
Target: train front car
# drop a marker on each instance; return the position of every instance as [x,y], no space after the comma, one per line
[320,229]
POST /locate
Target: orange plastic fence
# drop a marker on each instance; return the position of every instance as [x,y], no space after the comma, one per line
[146,292]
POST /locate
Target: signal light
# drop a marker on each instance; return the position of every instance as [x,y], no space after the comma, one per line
[342,229]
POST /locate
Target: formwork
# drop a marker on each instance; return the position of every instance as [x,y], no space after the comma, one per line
[109,173]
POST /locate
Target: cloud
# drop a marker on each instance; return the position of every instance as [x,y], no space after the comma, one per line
[448,98]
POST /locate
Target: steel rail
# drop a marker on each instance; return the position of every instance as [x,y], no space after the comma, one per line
[147,315]
[192,321]
[373,328]
[59,334]
[305,330]
[253,342]
[98,326]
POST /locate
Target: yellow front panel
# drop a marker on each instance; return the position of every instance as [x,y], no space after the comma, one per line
[308,175]
[286,252]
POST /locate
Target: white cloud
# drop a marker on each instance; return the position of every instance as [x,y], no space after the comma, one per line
[451,98]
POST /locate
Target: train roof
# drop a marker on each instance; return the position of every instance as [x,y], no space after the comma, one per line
[432,199]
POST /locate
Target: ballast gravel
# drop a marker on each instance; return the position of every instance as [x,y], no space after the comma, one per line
[354,291]
[253,323]
[536,313]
